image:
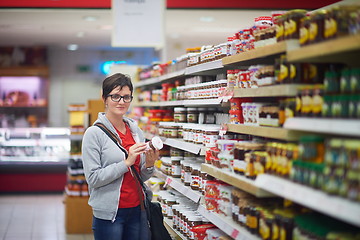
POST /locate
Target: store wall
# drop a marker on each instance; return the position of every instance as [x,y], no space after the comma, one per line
[76,77]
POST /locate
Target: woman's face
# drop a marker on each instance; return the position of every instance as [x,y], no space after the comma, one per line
[118,107]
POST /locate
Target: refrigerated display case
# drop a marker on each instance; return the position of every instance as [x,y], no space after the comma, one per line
[33,159]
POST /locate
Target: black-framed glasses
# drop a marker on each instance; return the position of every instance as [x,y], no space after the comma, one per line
[117,98]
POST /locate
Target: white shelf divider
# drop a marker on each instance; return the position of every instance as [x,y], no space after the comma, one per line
[227,225]
[334,206]
[185,190]
[204,67]
[346,127]
[146,82]
[186,146]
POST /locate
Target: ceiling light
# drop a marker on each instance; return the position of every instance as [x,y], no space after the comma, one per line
[90,18]
[72,47]
[207,19]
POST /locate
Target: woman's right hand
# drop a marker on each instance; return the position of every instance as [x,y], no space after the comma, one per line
[134,151]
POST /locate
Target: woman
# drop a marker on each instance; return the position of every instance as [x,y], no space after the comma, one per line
[114,190]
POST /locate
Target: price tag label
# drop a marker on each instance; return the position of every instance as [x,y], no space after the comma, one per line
[234,233]
[227,95]
[223,129]
[167,181]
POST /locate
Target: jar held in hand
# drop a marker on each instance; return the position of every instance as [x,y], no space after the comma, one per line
[155,144]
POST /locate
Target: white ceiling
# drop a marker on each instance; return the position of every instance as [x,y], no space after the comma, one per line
[60,27]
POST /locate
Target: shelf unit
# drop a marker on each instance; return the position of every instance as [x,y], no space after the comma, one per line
[158,80]
[286,90]
[227,225]
[236,180]
[343,49]
[189,103]
[344,127]
[268,132]
[346,50]
[176,184]
[260,55]
[337,207]
[181,144]
[208,68]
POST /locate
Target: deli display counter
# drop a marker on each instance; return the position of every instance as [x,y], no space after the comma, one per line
[33,159]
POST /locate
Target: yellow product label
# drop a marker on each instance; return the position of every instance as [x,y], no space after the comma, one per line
[291,27]
[286,28]
[298,104]
[258,168]
[313,31]
[284,72]
[292,71]
[252,222]
[317,104]
[264,229]
[275,232]
[312,71]
[304,35]
[306,104]
[288,113]
[330,28]
[279,31]
[282,234]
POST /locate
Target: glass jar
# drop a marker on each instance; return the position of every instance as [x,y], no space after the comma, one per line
[293,23]
[176,167]
[311,148]
[195,177]
[192,115]
[180,114]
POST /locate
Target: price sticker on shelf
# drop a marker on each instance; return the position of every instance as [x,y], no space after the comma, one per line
[234,233]
[223,129]
[168,181]
[227,95]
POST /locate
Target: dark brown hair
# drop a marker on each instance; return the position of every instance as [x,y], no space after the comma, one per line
[114,81]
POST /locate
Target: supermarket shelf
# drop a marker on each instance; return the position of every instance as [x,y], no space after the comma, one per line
[336,207]
[176,184]
[181,144]
[209,68]
[147,104]
[227,225]
[147,82]
[157,80]
[172,231]
[343,49]
[287,90]
[238,181]
[343,127]
[186,146]
[269,132]
[203,102]
[169,76]
[258,55]
[195,102]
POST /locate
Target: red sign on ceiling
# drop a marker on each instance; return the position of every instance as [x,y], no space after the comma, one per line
[186,4]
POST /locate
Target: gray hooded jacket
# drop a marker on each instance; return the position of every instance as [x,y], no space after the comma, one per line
[104,166]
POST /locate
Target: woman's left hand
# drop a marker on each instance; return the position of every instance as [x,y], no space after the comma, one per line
[151,156]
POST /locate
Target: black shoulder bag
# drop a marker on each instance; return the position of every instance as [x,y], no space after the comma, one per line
[154,214]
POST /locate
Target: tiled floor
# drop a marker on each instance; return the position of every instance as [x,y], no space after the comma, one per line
[34,217]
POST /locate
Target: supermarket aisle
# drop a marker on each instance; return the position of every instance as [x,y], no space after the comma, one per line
[34,217]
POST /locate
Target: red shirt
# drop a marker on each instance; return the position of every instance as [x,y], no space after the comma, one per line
[129,195]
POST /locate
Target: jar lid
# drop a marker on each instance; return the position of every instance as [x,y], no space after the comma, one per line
[157,143]
[177,109]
